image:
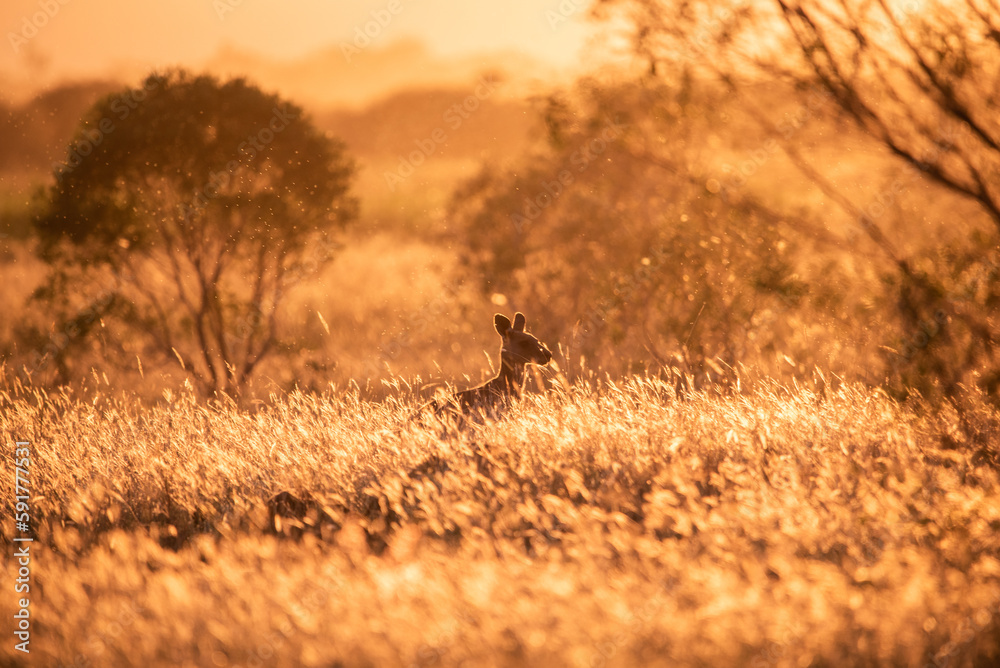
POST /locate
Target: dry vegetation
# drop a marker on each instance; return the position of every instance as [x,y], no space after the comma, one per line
[666,223]
[602,523]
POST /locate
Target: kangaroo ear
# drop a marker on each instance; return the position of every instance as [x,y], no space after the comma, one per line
[519,322]
[502,324]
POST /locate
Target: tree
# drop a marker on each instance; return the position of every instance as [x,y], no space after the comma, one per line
[611,231]
[920,79]
[185,211]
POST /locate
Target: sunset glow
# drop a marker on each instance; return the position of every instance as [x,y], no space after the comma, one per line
[124,38]
[451,334]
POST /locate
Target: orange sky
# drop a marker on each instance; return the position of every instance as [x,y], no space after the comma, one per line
[125,38]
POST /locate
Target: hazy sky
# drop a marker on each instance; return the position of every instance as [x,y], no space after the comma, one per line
[46,40]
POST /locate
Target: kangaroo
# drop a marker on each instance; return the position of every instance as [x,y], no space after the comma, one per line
[492,398]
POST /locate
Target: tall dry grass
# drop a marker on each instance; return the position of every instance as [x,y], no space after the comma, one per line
[603,523]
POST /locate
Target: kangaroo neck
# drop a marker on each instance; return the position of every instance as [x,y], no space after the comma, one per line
[511,375]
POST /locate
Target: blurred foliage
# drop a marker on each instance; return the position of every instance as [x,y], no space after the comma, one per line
[616,232]
[939,352]
[709,205]
[919,80]
[35,130]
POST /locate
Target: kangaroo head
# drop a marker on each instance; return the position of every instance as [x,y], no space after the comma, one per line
[518,346]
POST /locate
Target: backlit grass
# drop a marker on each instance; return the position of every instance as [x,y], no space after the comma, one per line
[600,524]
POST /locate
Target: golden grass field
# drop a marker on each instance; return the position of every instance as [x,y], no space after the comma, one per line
[602,523]
[761,239]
